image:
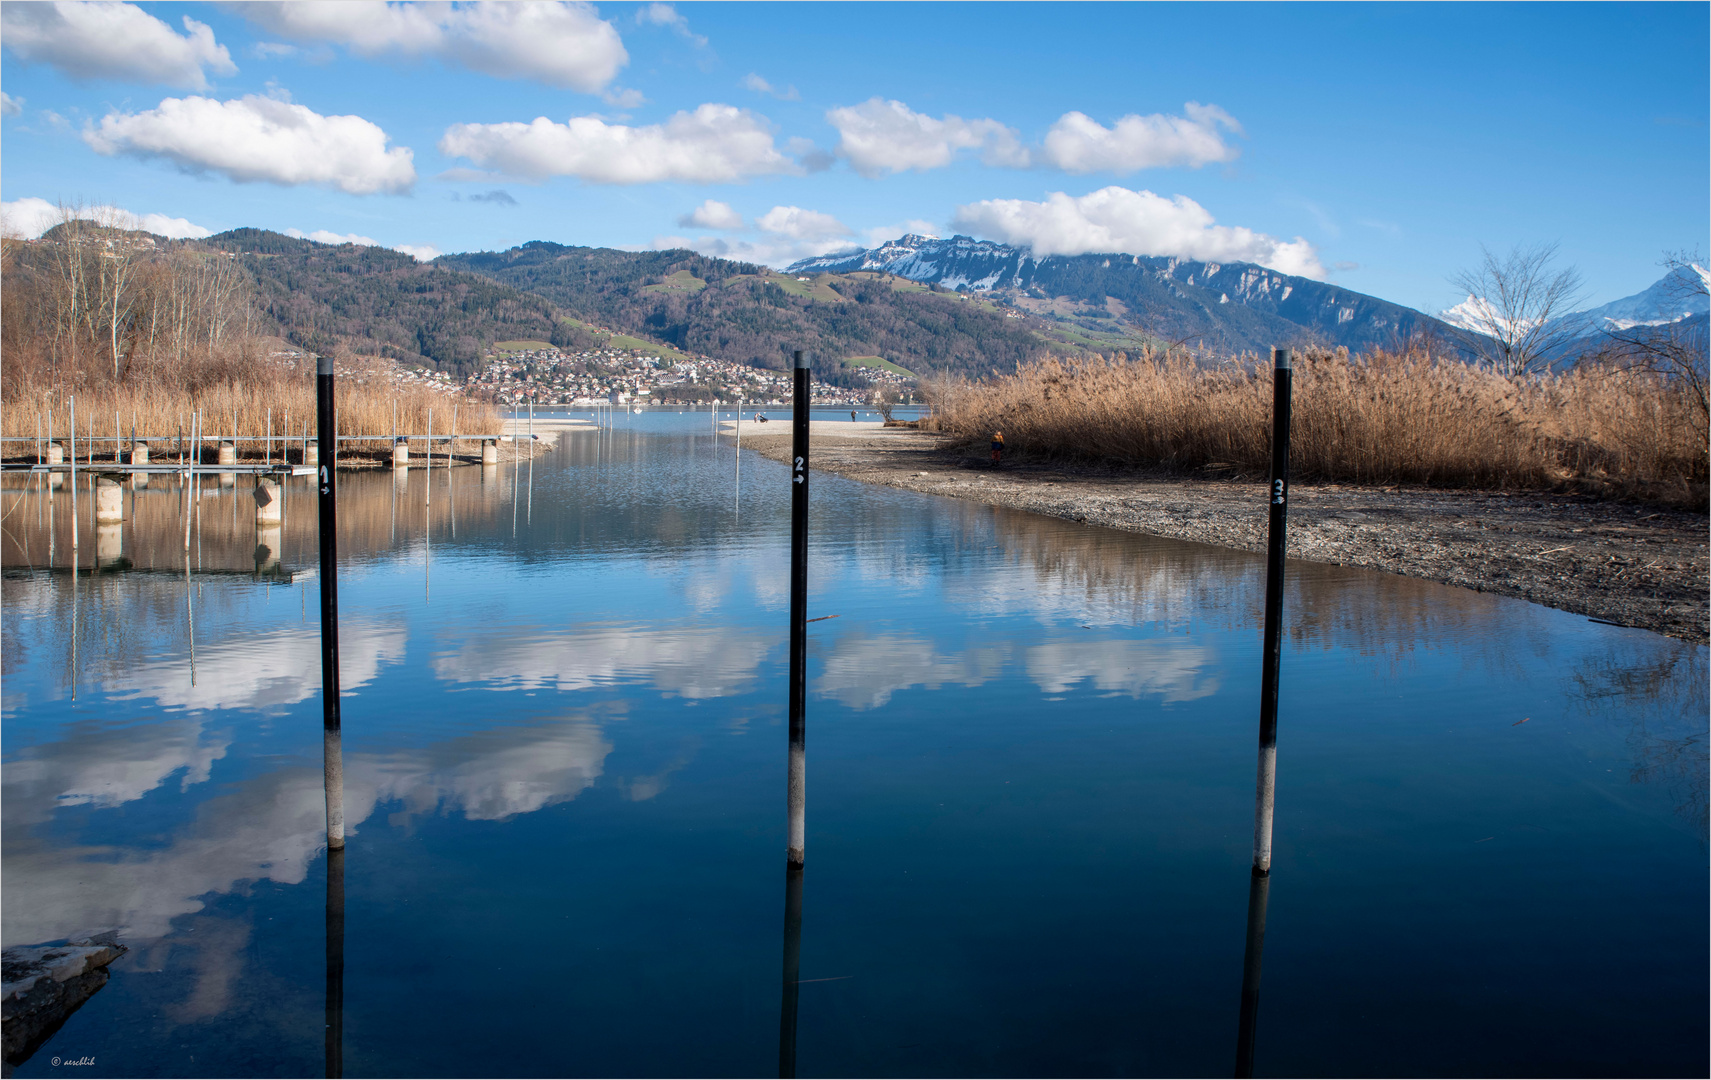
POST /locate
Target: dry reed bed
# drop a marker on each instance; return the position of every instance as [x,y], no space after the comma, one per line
[1380,419]
[246,397]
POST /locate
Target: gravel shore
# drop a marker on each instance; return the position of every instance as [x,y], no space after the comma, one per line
[1616,563]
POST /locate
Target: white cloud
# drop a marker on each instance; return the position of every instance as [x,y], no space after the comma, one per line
[887,136]
[771,250]
[561,44]
[9,105]
[800,224]
[668,16]
[1079,144]
[754,82]
[419,252]
[113,41]
[1116,219]
[712,214]
[713,144]
[327,236]
[619,98]
[259,138]
[30,217]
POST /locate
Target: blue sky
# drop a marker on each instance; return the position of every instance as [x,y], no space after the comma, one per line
[1376,146]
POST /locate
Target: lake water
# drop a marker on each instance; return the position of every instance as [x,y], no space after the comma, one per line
[1031,751]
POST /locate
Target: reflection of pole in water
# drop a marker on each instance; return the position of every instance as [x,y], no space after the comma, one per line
[335,962]
[529,513]
[792,987]
[190,620]
[1259,894]
[74,623]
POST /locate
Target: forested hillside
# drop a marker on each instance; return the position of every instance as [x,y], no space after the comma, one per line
[741,312]
[376,300]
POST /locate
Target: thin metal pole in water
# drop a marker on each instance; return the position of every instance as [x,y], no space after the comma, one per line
[336,961]
[269,444]
[798,611]
[74,479]
[189,501]
[334,760]
[792,987]
[428,477]
[1279,497]
[1259,895]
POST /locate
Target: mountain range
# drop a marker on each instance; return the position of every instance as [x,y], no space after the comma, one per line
[959,306]
[1221,307]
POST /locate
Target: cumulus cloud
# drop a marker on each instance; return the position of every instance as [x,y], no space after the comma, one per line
[9,105]
[561,44]
[327,236]
[1079,144]
[1117,219]
[713,144]
[668,16]
[260,138]
[712,214]
[113,41]
[419,252]
[881,136]
[29,217]
[769,250]
[800,224]
[754,82]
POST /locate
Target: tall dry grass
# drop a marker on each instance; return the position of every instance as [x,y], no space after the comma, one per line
[1384,418]
[238,390]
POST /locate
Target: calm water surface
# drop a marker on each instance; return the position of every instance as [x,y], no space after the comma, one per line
[1031,752]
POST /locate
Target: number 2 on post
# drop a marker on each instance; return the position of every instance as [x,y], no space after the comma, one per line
[797,479]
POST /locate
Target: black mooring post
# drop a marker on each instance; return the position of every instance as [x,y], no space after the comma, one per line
[336,961]
[1259,893]
[792,971]
[798,606]
[326,428]
[1279,496]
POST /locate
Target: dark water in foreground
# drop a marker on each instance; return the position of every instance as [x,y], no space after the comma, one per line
[1031,748]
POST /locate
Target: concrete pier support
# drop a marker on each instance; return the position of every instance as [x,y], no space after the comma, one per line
[489,451]
[109,544]
[269,506]
[269,540]
[228,454]
[311,454]
[139,456]
[401,454]
[109,501]
[56,453]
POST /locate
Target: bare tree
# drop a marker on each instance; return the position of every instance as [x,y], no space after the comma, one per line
[1676,349]
[1519,314]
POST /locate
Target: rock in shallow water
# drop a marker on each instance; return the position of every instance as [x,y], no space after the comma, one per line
[43,985]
